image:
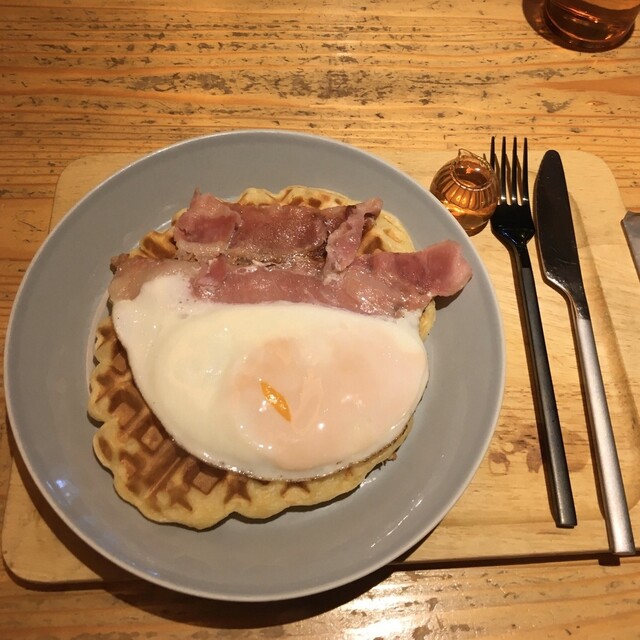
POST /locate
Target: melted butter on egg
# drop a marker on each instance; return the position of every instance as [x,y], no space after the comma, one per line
[274,390]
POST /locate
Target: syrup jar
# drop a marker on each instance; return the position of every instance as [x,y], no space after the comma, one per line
[469,188]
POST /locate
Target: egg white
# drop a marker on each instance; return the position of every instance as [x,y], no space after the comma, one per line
[274,390]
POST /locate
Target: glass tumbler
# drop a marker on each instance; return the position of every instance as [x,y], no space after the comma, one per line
[596,25]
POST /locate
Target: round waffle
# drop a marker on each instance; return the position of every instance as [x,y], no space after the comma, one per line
[165,482]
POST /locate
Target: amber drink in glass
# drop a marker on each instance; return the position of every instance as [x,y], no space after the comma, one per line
[597,25]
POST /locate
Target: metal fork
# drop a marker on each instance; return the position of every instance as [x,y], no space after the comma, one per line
[512,223]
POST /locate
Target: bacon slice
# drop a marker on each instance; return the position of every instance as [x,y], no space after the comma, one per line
[205,229]
[132,272]
[343,243]
[270,233]
[379,284]
[438,270]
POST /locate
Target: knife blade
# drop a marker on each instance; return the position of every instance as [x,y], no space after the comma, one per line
[631,226]
[560,261]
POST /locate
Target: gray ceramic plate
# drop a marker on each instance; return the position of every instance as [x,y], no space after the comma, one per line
[299,552]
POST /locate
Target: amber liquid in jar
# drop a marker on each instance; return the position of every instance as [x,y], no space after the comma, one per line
[468,188]
[591,26]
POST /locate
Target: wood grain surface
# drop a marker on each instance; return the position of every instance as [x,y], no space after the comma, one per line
[85,78]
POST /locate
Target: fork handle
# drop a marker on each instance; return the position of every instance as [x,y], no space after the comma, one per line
[551,440]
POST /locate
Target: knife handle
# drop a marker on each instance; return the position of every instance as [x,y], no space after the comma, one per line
[551,441]
[616,512]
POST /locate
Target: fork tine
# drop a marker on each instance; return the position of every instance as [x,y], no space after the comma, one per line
[503,171]
[525,172]
[509,187]
[492,155]
[514,172]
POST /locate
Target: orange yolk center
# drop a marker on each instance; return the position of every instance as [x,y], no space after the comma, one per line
[276,400]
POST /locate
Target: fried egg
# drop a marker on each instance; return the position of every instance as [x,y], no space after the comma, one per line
[275,390]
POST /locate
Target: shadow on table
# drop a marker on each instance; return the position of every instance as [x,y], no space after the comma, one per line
[186,609]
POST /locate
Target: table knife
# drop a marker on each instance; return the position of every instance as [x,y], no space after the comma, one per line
[561,265]
[631,226]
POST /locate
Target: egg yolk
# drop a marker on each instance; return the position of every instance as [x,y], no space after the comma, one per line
[276,400]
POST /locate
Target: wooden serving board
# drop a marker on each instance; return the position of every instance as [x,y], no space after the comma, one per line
[504,513]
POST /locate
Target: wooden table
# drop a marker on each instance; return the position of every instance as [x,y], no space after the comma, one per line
[91,82]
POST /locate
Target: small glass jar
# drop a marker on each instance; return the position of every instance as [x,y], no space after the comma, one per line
[468,187]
